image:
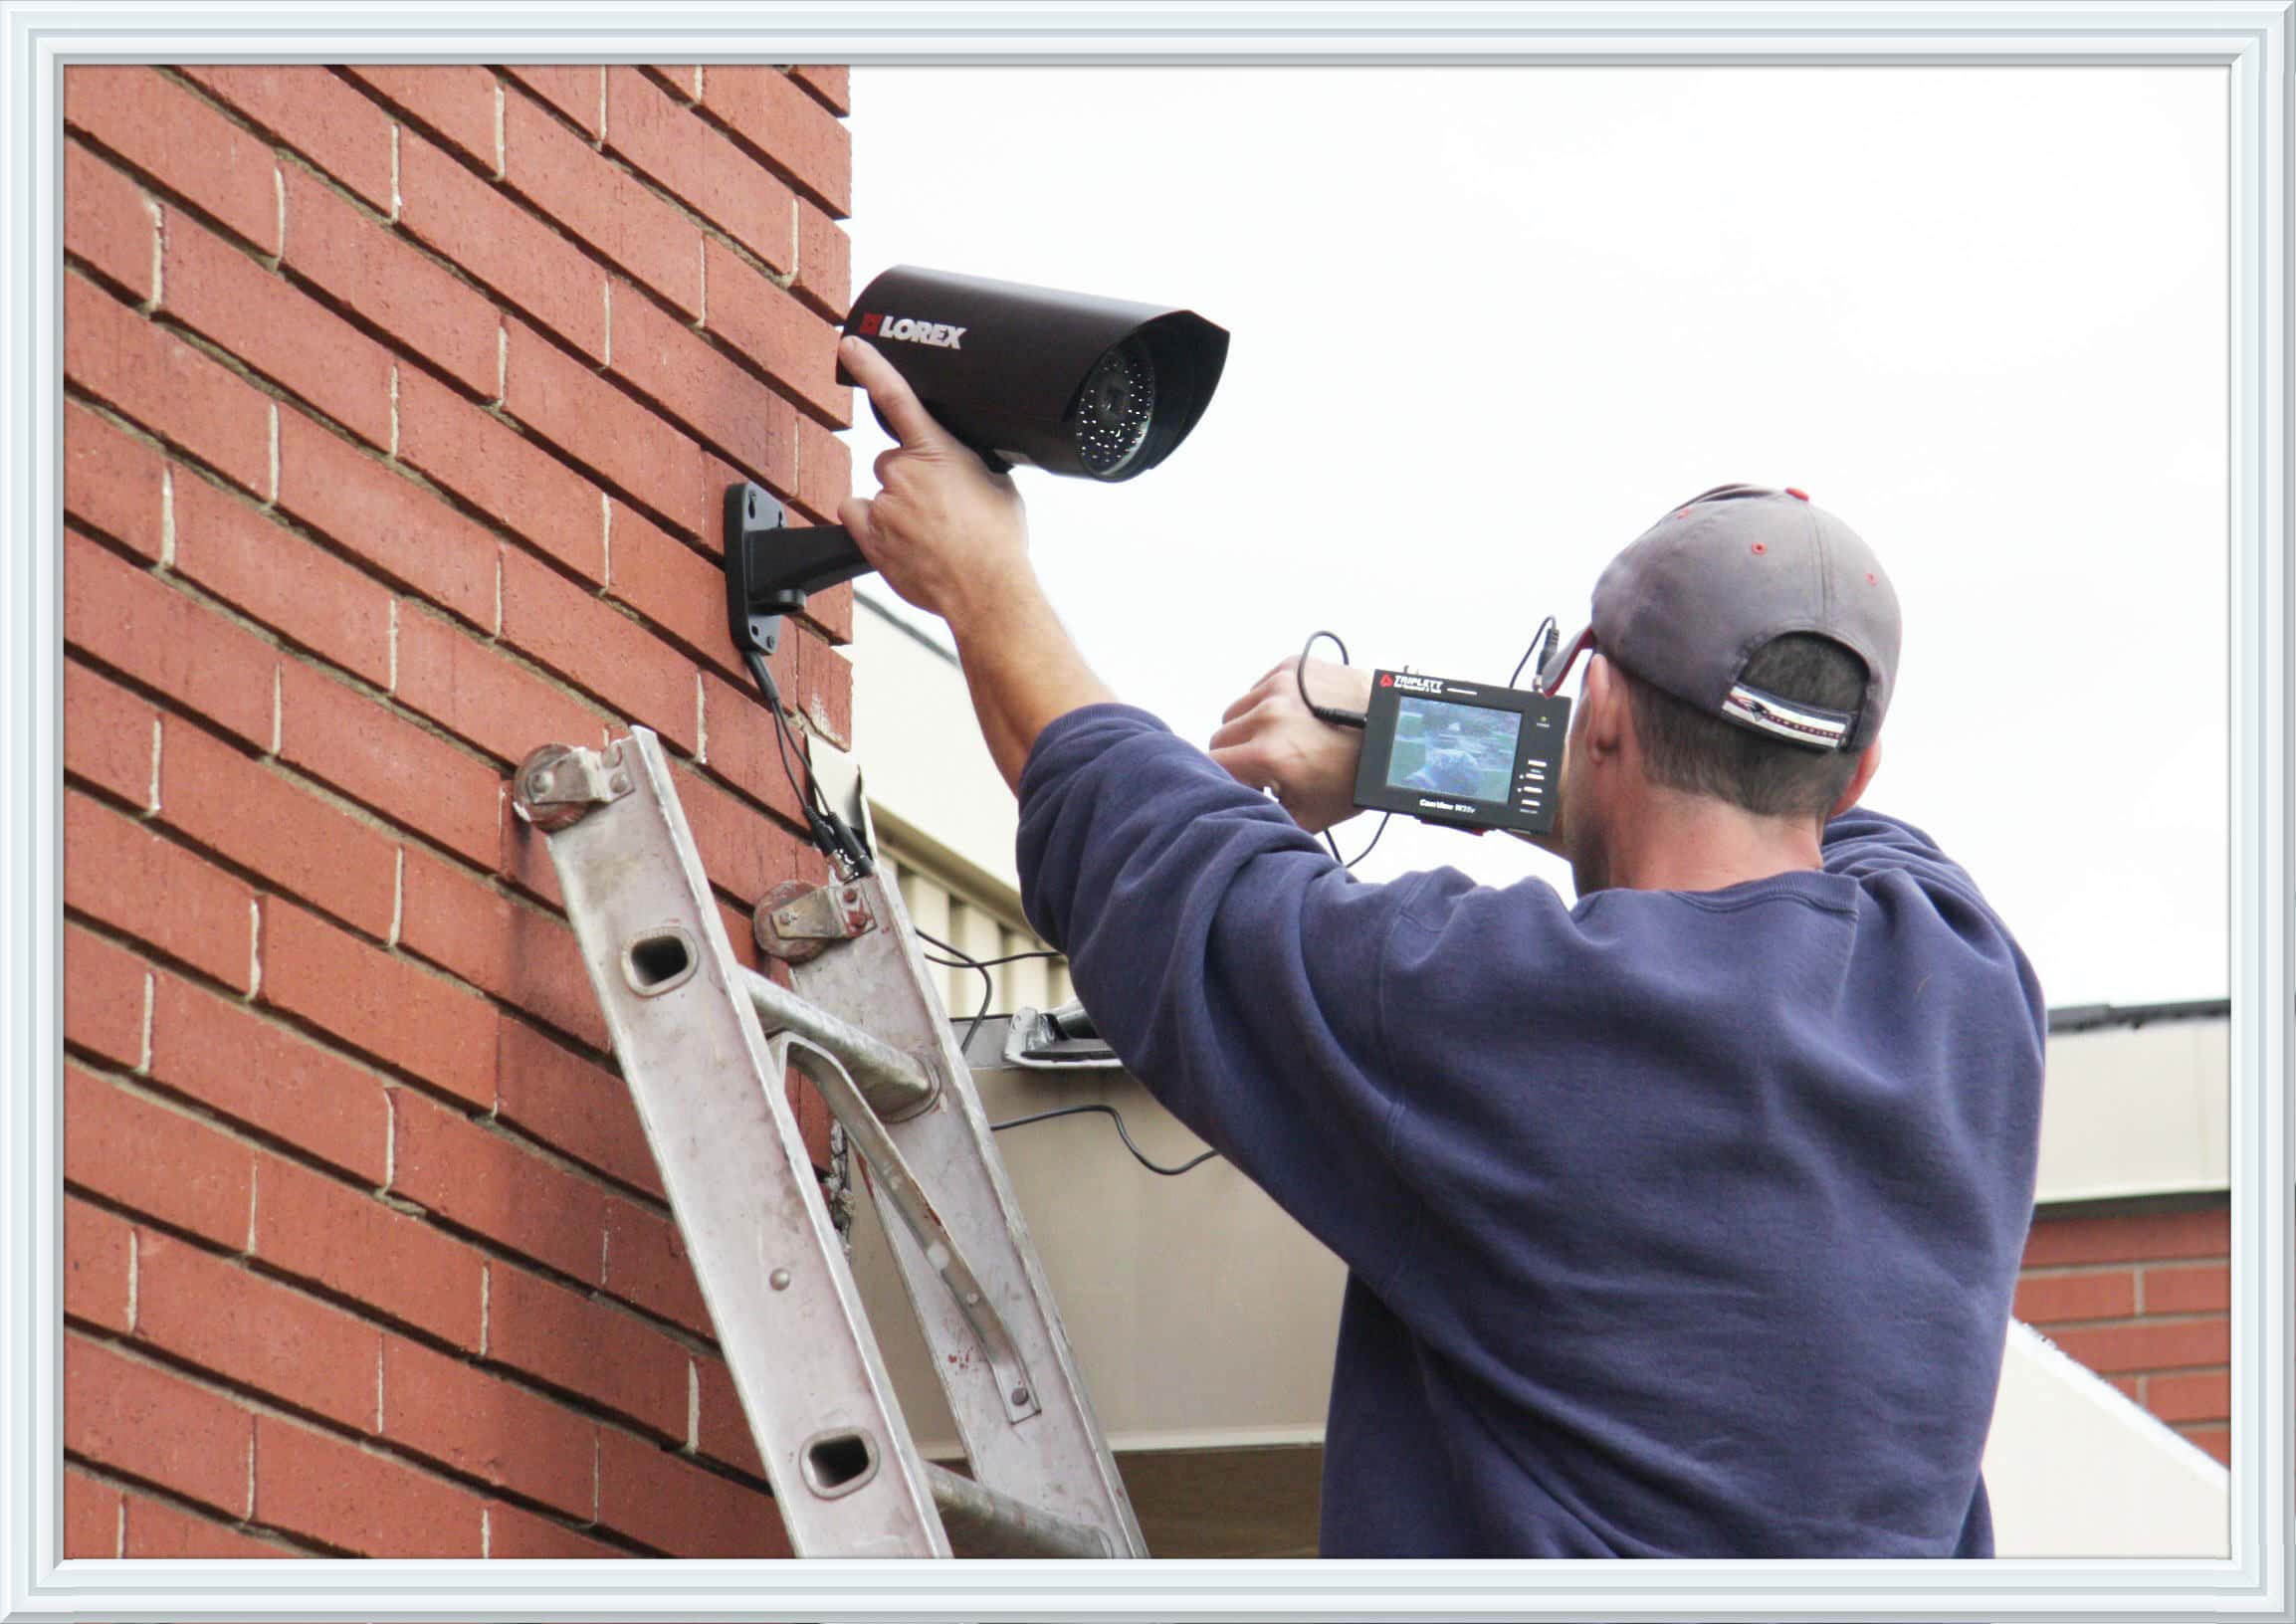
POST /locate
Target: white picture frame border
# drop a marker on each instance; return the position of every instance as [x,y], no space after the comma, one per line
[2249,39]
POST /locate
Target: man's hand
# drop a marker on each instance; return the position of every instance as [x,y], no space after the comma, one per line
[944,533]
[1270,740]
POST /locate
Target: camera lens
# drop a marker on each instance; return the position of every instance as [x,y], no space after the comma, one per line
[1110,417]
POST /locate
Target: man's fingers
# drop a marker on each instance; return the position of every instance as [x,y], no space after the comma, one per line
[853,512]
[888,391]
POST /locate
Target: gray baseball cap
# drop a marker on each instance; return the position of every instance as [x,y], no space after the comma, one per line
[1695,595]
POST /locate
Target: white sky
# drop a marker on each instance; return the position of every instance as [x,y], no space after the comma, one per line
[1489,323]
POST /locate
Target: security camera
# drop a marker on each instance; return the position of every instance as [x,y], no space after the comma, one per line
[1071,383]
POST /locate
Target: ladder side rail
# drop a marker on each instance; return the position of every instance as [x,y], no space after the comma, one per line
[709,1091]
[1058,1459]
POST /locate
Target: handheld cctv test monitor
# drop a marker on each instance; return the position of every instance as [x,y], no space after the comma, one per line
[1469,754]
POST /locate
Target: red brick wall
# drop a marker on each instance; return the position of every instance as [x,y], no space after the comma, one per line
[399,402]
[2142,1299]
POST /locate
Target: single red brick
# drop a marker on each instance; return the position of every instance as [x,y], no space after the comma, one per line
[831,85]
[258,1072]
[157,1530]
[271,576]
[587,419]
[2204,1395]
[776,334]
[92,1515]
[307,107]
[514,1533]
[342,1239]
[674,1506]
[217,290]
[518,954]
[123,1413]
[479,1424]
[646,1263]
[681,80]
[2206,1289]
[474,224]
[167,132]
[136,622]
[355,1500]
[824,261]
[577,90]
[677,589]
[2217,1439]
[657,136]
[701,388]
[487,1182]
[824,471]
[373,512]
[153,890]
[256,1332]
[721,1426]
[598,649]
[107,993]
[2053,1299]
[740,729]
[380,1003]
[2129,1237]
[158,380]
[386,762]
[457,102]
[113,482]
[551,168]
[2151,1344]
[574,1106]
[416,300]
[775,118]
[157,1160]
[826,685]
[587,1346]
[110,736]
[480,694]
[98,1264]
[503,473]
[108,222]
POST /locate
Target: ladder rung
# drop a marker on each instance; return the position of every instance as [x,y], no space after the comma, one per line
[984,1522]
[892,1083]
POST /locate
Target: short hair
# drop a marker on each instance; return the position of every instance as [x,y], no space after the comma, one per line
[1693,750]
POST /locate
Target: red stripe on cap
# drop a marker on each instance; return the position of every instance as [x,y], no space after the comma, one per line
[1792,491]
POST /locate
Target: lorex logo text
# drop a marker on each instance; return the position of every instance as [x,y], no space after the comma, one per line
[940,334]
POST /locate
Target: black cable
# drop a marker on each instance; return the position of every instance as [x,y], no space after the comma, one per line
[1324,713]
[1071,1111]
[1548,630]
[829,833]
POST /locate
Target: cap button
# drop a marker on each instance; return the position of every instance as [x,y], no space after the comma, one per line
[1792,491]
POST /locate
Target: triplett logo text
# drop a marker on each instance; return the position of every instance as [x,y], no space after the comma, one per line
[940,334]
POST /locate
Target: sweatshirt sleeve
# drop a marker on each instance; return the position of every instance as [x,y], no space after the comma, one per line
[1232,965]
[1905,871]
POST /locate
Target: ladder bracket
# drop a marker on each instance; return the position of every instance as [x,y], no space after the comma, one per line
[557,783]
[796,921]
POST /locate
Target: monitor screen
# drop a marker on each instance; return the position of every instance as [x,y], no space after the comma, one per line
[1443,748]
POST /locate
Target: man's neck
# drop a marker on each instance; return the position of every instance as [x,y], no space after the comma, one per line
[1683,842]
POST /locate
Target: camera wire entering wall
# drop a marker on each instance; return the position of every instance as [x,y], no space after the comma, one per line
[829,833]
[963,961]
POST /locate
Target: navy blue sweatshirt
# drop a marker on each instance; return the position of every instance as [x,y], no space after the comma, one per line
[1678,1224]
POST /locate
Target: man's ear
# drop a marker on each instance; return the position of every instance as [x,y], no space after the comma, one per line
[1868,764]
[1605,705]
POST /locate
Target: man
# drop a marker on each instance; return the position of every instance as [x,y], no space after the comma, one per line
[1679,1222]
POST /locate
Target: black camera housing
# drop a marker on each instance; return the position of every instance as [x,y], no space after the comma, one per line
[1470,754]
[1072,383]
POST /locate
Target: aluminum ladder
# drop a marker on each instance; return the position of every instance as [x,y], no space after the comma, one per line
[704,1044]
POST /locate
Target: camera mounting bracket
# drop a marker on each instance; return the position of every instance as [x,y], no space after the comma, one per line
[772,567]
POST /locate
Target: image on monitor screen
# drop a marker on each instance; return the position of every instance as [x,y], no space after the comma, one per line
[1453,749]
